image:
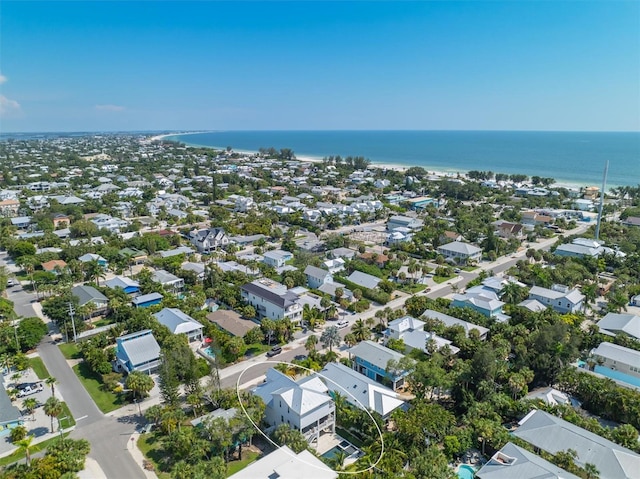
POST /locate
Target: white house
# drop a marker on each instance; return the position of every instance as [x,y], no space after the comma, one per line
[304,405]
[168,280]
[180,323]
[614,323]
[283,463]
[277,258]
[109,222]
[460,252]
[316,277]
[412,333]
[450,321]
[559,297]
[272,300]
[400,221]
[208,240]
[361,391]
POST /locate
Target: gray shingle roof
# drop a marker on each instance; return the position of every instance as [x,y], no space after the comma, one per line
[363,279]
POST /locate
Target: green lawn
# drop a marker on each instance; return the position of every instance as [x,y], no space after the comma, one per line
[105,400]
[39,368]
[70,350]
[412,288]
[69,421]
[442,279]
[247,458]
[152,450]
[255,349]
[19,455]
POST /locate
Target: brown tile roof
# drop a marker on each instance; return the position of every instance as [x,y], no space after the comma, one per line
[231,322]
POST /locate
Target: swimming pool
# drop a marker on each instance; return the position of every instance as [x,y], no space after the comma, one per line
[617,375]
[344,446]
[466,472]
[209,352]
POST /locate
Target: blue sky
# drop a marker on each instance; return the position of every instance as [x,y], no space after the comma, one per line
[155,65]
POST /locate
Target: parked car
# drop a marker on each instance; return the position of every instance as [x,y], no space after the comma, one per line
[342,324]
[12,282]
[30,389]
[274,350]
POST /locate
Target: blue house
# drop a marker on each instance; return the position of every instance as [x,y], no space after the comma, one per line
[10,416]
[371,359]
[146,300]
[137,352]
[128,285]
[482,300]
[87,258]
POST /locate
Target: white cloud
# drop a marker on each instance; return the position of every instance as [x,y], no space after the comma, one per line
[3,79]
[110,108]
[8,106]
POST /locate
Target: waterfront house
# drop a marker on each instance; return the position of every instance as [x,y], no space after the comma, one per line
[459,252]
[513,461]
[146,300]
[304,405]
[559,297]
[128,285]
[180,323]
[360,391]
[615,323]
[316,277]
[372,359]
[137,352]
[551,434]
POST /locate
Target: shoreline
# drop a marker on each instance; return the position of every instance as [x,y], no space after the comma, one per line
[400,167]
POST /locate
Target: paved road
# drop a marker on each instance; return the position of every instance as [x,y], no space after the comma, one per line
[108,436]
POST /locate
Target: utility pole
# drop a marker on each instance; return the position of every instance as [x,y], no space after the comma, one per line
[15,330]
[73,324]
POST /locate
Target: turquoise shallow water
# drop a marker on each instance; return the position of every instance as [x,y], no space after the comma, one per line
[569,157]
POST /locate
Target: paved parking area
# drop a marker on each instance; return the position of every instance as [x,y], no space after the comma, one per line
[38,424]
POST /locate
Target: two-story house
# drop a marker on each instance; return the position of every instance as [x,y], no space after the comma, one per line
[372,360]
[209,240]
[137,351]
[559,297]
[316,277]
[304,405]
[412,333]
[459,252]
[272,300]
[277,258]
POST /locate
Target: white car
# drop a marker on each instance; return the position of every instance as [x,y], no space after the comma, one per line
[30,389]
[342,324]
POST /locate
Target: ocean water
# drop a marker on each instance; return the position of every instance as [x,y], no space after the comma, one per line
[569,157]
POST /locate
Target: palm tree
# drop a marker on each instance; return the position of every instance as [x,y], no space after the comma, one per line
[310,344]
[94,271]
[53,408]
[592,471]
[25,444]
[51,381]
[360,330]
[330,337]
[139,383]
[30,404]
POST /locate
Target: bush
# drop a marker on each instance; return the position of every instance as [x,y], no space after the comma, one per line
[30,332]
[18,434]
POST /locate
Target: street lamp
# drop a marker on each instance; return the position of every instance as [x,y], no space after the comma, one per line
[73,324]
[15,331]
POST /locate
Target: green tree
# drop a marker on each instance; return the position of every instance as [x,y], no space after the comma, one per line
[139,383]
[18,433]
[285,435]
[26,445]
[330,337]
[360,330]
[53,409]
